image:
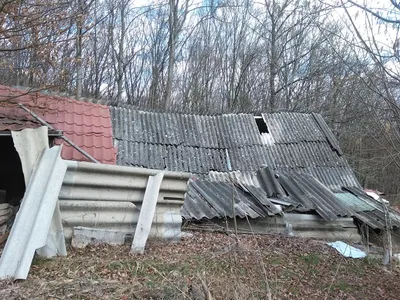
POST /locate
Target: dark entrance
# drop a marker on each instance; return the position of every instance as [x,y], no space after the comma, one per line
[11,175]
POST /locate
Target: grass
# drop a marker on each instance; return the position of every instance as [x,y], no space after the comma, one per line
[310,259]
[295,268]
[341,285]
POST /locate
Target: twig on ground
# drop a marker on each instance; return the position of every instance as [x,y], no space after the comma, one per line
[174,285]
[205,288]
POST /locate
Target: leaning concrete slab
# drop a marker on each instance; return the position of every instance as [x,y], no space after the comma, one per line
[147,213]
[35,217]
[30,144]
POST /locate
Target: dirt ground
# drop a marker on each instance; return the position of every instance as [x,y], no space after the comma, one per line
[208,266]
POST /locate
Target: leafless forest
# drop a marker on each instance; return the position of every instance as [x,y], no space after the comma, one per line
[338,58]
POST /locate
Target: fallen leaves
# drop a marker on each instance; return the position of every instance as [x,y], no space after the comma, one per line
[230,268]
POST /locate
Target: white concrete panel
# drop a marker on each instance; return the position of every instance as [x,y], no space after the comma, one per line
[29,144]
[147,211]
[34,218]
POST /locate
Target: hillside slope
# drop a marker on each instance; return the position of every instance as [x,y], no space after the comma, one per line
[208,266]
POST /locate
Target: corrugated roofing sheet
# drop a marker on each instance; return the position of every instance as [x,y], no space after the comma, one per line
[328,133]
[202,144]
[369,210]
[222,131]
[268,181]
[333,178]
[206,199]
[295,191]
[354,203]
[32,226]
[87,124]
[292,127]
[247,178]
[313,194]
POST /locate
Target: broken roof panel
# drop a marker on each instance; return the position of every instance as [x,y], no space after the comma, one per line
[206,199]
[308,190]
[373,217]
[269,183]
[354,203]
[333,178]
[297,191]
[365,212]
[87,124]
[328,133]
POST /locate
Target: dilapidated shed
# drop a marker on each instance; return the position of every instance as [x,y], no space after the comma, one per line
[270,164]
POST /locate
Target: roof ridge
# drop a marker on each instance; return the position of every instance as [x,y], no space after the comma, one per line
[154,111]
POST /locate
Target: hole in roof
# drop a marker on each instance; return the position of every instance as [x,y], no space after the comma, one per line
[262,126]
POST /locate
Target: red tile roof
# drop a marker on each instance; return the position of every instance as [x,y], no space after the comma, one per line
[87,124]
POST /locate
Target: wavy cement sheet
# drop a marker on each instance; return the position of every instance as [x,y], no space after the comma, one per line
[29,144]
[37,214]
[347,250]
[147,213]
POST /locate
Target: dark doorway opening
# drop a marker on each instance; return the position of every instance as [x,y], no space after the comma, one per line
[11,174]
[262,126]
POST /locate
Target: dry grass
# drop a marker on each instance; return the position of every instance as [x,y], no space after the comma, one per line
[207,266]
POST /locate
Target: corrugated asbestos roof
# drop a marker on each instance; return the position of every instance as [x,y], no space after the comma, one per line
[206,199]
[367,209]
[312,194]
[354,203]
[247,178]
[202,144]
[305,192]
[87,124]
[295,191]
[302,191]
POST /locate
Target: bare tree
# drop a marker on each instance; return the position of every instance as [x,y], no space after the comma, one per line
[32,36]
[177,17]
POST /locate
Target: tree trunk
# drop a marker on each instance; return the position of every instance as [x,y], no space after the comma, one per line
[78,57]
[173,24]
[79,70]
[120,59]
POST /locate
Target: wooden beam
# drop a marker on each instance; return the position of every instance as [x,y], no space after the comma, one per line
[51,133]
